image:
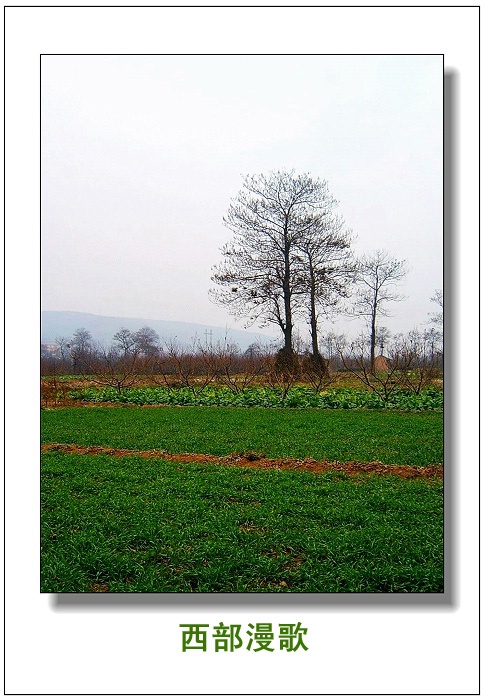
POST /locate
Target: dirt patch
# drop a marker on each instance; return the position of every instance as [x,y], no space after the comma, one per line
[255,461]
[294,563]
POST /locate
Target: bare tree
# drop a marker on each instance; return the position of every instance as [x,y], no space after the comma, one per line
[376,278]
[383,336]
[327,269]
[147,340]
[330,344]
[124,341]
[63,344]
[80,349]
[258,277]
[437,317]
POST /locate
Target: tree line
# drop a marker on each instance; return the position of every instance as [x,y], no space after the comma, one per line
[290,258]
[412,361]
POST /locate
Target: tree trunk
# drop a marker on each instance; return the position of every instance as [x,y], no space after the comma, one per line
[373,335]
[288,338]
[313,317]
[286,287]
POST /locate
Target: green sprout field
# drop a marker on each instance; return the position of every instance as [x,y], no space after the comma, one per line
[125,508]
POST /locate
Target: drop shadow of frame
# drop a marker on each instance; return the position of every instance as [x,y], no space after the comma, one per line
[60,602]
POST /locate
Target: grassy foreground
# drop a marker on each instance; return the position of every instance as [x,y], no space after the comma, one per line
[390,437]
[145,525]
[149,525]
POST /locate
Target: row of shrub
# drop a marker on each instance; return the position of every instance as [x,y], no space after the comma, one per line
[297,397]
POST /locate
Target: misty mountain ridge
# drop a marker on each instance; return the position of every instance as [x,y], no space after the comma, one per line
[63,324]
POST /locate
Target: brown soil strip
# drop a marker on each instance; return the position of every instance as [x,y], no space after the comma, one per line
[256,461]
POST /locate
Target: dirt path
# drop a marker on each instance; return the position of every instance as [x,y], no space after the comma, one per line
[256,461]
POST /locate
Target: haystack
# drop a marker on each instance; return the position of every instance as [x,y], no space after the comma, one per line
[382,363]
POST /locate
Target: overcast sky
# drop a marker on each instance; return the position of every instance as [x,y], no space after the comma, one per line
[142,154]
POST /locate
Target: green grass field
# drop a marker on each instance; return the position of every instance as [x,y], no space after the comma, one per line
[149,525]
[390,437]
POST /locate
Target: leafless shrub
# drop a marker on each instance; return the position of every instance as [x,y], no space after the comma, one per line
[231,368]
[315,371]
[283,371]
[412,362]
[182,366]
[358,361]
[113,367]
[419,359]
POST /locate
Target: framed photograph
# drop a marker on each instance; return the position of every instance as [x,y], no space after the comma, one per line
[247,274]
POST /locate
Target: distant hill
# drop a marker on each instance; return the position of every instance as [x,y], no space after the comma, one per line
[57,324]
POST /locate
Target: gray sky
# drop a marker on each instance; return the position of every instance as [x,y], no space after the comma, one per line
[142,154]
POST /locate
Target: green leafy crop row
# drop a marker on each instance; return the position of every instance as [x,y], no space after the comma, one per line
[297,397]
